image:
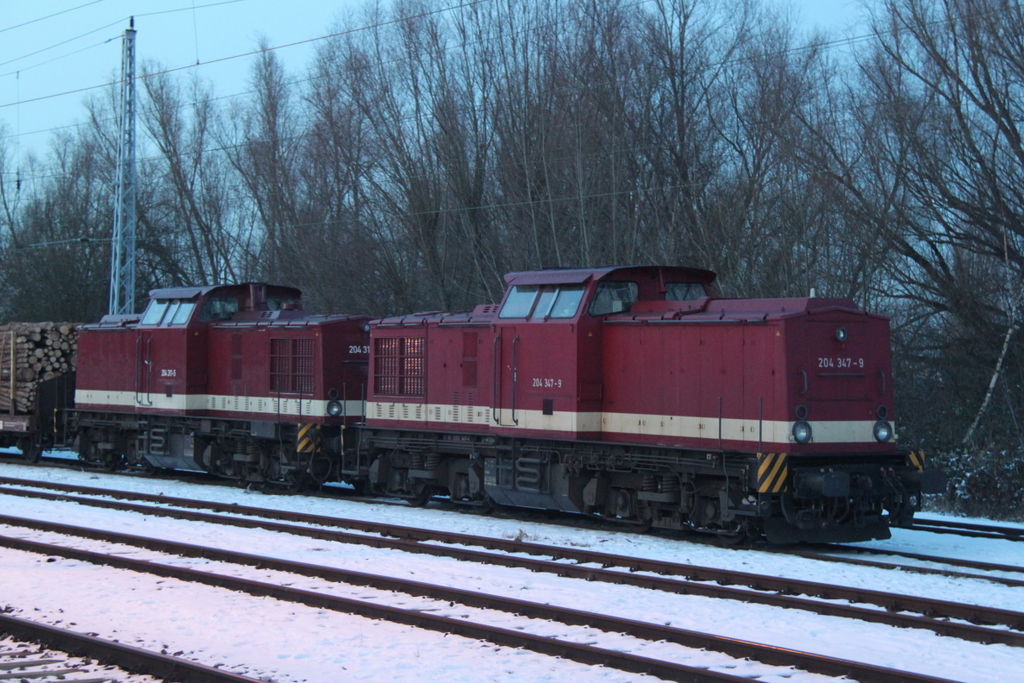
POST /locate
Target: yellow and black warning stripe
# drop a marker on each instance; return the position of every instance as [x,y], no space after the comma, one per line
[916,460]
[309,438]
[772,472]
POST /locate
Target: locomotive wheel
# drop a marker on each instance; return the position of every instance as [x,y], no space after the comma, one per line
[735,538]
[30,451]
[295,482]
[361,488]
[642,526]
[422,496]
[487,506]
[111,462]
[320,467]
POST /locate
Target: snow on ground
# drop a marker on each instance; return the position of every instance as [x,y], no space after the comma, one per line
[284,642]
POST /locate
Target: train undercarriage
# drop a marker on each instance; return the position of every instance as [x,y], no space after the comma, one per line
[252,453]
[734,496]
[788,499]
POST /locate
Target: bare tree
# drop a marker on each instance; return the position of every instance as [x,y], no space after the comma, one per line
[189,218]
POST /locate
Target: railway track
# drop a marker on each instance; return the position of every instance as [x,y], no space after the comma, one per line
[848,555]
[960,620]
[970,529]
[72,657]
[446,598]
[966,529]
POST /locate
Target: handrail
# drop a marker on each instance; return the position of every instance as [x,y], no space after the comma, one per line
[149,371]
[138,369]
[515,376]
[495,379]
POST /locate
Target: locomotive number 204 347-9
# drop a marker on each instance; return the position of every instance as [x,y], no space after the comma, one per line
[840,363]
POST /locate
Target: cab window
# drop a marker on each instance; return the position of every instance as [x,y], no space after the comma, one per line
[183,313]
[219,308]
[544,301]
[154,312]
[519,302]
[613,297]
[684,291]
[165,312]
[282,304]
[567,302]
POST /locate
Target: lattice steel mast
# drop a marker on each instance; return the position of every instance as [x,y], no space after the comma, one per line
[122,259]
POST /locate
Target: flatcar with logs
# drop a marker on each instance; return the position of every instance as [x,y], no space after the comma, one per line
[626,393]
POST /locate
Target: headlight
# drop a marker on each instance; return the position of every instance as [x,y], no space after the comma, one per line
[841,334]
[801,432]
[334,408]
[883,431]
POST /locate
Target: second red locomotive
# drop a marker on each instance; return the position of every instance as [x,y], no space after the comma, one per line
[235,380]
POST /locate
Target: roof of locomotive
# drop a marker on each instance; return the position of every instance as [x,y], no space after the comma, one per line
[251,309]
[737,310]
[485,313]
[563,276]
[193,292]
[292,319]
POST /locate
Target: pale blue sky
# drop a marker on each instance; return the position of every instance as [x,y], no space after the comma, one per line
[80,47]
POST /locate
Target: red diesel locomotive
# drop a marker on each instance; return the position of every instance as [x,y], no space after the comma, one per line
[632,393]
[234,380]
[628,393]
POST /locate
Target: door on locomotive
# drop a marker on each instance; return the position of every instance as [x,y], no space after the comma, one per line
[506,377]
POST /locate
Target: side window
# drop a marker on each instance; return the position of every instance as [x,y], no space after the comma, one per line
[567,302]
[613,297]
[283,304]
[519,302]
[683,291]
[219,308]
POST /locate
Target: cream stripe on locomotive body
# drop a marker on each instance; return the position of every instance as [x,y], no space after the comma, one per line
[213,405]
[758,436]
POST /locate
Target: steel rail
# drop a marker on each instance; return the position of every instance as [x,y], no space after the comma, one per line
[913,568]
[703,581]
[740,649]
[578,652]
[952,561]
[133,659]
[969,529]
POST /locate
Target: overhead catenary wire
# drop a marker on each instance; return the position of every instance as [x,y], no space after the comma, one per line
[816,45]
[299,81]
[49,16]
[241,55]
[122,20]
[545,200]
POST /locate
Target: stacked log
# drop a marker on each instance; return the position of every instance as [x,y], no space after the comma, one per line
[41,351]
